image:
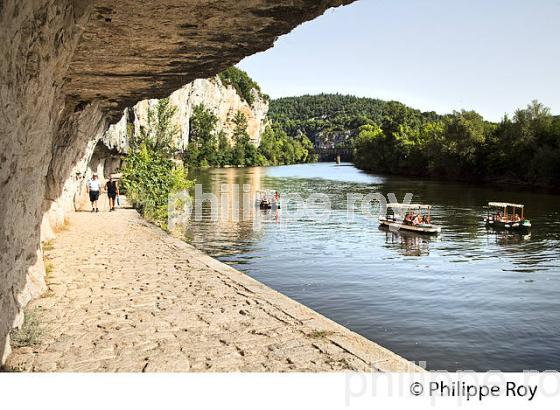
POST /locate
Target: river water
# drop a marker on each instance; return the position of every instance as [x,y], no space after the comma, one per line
[468,299]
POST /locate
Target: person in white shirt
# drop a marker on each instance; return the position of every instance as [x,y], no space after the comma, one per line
[93,189]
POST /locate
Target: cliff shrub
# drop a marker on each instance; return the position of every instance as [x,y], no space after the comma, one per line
[242,83]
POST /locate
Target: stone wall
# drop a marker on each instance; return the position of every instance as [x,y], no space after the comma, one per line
[68,68]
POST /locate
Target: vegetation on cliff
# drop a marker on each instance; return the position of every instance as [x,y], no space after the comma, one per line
[390,137]
[209,146]
[242,83]
[149,173]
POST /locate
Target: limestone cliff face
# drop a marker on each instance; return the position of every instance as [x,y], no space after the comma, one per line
[223,101]
[68,68]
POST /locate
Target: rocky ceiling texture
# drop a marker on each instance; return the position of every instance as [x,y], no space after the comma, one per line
[133,49]
[68,68]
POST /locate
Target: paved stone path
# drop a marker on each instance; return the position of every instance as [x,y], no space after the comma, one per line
[125,296]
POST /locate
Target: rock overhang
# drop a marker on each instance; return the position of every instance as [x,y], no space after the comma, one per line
[132,50]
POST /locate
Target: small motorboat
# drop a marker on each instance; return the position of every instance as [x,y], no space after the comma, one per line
[410,218]
[268,199]
[509,219]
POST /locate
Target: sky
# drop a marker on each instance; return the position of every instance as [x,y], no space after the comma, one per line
[492,56]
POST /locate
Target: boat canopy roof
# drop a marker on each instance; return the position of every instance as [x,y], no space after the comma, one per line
[408,206]
[504,205]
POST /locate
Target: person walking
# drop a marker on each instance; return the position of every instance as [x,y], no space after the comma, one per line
[112,188]
[93,189]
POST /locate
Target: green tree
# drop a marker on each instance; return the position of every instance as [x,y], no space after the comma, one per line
[241,140]
[149,175]
[369,147]
[465,132]
[160,132]
[531,122]
[432,137]
[224,150]
[202,149]
[268,147]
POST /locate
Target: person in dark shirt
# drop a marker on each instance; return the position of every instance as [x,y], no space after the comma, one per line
[112,188]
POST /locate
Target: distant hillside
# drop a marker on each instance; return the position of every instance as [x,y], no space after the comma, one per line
[389,137]
[330,120]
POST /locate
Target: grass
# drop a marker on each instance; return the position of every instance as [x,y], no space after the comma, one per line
[30,332]
[49,267]
[319,334]
[48,246]
[10,369]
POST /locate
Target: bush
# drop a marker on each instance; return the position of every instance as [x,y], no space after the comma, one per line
[149,175]
[149,178]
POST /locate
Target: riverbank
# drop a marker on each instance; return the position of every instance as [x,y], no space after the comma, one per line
[125,296]
[500,183]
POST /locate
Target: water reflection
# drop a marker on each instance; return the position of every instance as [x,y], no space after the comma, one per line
[505,238]
[233,230]
[407,243]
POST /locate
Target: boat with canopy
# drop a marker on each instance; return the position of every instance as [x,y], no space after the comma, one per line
[508,216]
[410,217]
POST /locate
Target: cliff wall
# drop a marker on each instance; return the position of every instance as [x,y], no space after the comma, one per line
[223,101]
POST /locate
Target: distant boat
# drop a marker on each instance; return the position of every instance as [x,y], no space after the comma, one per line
[268,199]
[414,222]
[507,220]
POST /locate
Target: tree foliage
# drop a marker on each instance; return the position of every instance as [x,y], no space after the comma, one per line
[149,175]
[160,132]
[202,149]
[209,146]
[462,145]
[390,137]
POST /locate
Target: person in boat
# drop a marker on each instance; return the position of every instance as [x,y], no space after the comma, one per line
[425,220]
[417,220]
[498,217]
[408,219]
[516,218]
